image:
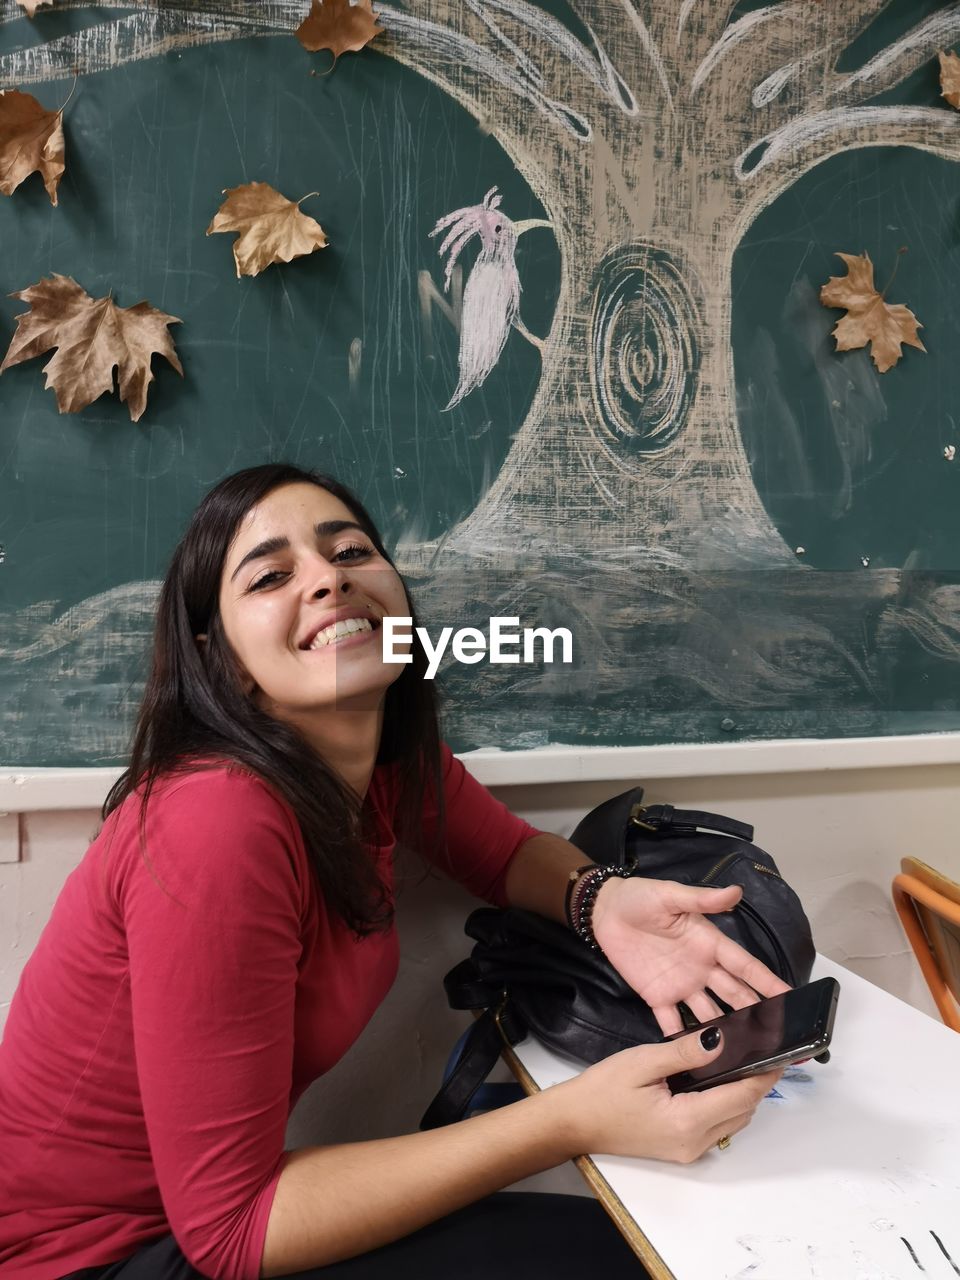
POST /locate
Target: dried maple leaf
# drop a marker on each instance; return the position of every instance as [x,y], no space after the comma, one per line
[338,26]
[272,228]
[31,141]
[869,319]
[93,336]
[950,78]
[32,6]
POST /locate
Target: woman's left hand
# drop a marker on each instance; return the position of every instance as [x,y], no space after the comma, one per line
[656,935]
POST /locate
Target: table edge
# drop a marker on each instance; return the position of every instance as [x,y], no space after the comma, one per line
[626,1224]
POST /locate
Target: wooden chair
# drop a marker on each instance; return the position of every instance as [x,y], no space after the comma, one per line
[928,904]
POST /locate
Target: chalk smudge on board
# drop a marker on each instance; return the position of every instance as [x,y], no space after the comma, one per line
[354,360]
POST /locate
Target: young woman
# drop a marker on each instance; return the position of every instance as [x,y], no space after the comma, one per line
[229,933]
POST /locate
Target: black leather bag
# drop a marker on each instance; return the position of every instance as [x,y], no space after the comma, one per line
[532,975]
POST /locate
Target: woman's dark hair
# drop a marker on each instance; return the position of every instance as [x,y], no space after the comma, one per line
[194,708]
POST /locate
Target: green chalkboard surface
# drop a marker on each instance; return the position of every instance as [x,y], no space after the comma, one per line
[749,535]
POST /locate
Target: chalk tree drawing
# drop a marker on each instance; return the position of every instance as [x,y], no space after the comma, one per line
[652,146]
[652,143]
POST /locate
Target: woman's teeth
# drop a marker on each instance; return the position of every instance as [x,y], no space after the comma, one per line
[345,628]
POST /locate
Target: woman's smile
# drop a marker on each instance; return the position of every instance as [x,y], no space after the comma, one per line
[346,634]
[337,625]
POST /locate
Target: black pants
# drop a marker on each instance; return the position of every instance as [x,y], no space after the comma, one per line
[509,1236]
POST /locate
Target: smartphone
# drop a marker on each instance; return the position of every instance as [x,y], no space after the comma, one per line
[773,1033]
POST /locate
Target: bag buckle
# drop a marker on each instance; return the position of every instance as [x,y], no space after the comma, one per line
[499,1012]
[506,1022]
[636,817]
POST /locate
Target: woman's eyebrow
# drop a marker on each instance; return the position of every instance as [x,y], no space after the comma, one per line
[325,529]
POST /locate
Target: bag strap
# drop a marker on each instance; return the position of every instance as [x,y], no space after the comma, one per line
[603,833]
[480,1053]
[664,817]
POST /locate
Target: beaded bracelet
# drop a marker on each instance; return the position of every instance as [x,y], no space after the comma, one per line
[573,882]
[584,896]
[577,897]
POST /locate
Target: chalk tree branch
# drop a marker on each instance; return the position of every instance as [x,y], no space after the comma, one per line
[813,85]
[544,55]
[696,25]
[155,29]
[767,68]
[635,42]
[760,36]
[810,84]
[469,59]
[505,96]
[801,82]
[893,64]
[280,15]
[783,157]
[127,40]
[844,22]
[536,67]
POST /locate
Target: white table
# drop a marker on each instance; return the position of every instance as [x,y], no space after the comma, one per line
[851,1172]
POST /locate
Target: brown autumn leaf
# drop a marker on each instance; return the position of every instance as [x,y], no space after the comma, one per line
[272,228]
[32,6]
[950,78]
[31,141]
[93,337]
[338,26]
[869,319]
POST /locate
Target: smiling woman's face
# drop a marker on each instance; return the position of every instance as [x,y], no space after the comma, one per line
[302,595]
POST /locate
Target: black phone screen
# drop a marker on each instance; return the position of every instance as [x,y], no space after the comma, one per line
[777,1030]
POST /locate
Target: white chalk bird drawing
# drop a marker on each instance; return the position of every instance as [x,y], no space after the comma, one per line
[491,296]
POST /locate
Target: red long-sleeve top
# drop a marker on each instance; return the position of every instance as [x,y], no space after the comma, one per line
[176,1007]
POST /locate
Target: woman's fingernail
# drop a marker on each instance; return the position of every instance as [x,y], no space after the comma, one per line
[710,1037]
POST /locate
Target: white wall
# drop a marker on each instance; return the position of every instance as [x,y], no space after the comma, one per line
[838,837]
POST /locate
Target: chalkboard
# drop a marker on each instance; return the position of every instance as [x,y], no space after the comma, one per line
[749,535]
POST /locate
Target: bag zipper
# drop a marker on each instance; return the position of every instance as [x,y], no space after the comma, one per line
[786,970]
[727,857]
[786,966]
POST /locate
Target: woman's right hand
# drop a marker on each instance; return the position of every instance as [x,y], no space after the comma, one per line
[623,1107]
